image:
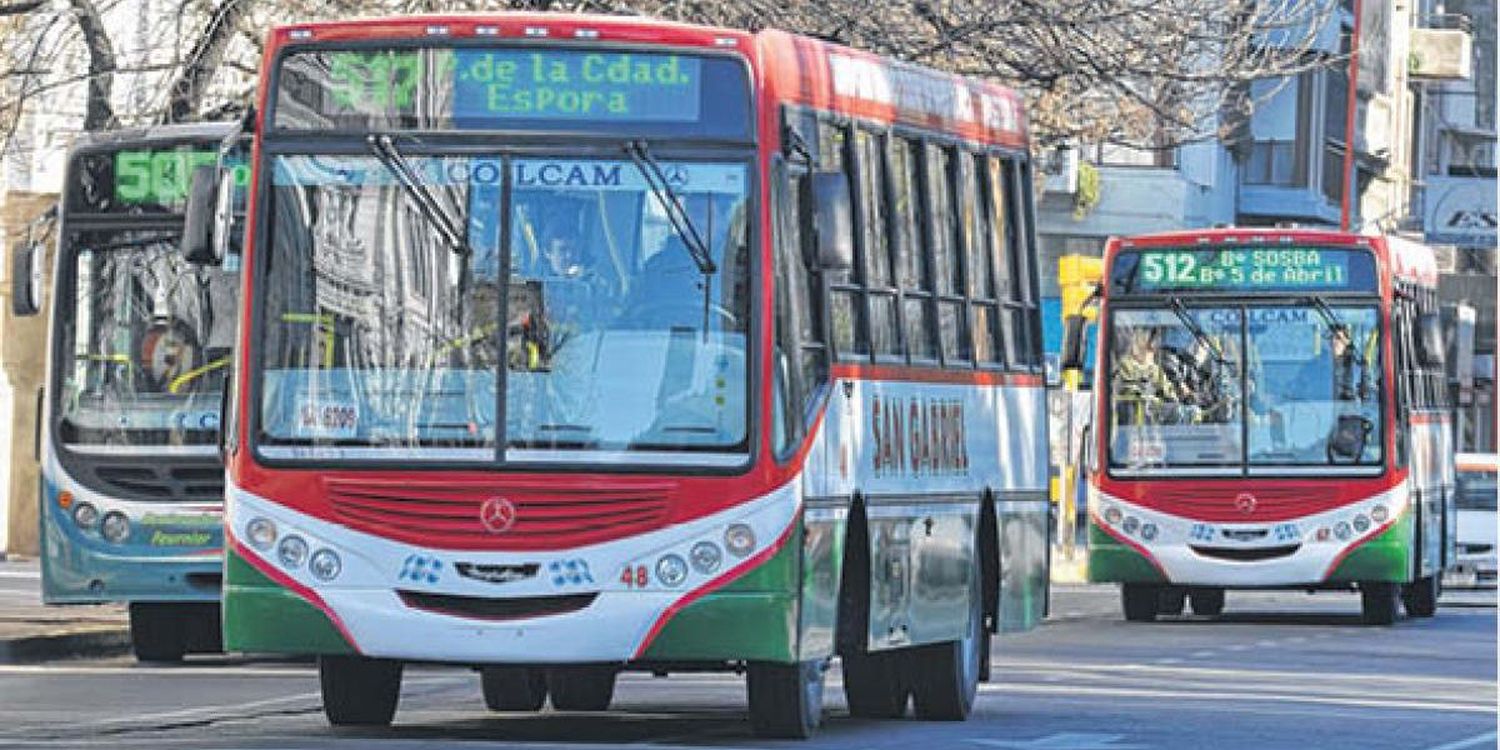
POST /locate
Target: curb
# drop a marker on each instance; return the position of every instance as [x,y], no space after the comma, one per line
[65,645]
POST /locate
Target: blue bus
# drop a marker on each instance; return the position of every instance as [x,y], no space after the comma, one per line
[139,346]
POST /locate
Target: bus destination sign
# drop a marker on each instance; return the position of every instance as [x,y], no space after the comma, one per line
[157,177]
[570,84]
[1244,269]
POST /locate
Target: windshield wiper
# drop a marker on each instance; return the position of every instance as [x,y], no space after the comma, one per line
[1330,318]
[384,149]
[1197,330]
[656,180]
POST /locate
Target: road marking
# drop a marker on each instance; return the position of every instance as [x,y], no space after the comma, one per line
[1169,660]
[31,575]
[1212,695]
[1488,738]
[1201,654]
[1062,741]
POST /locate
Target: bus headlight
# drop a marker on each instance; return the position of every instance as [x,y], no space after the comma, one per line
[1380,513]
[671,570]
[739,539]
[261,532]
[1148,531]
[325,565]
[1113,515]
[706,557]
[115,528]
[85,515]
[292,551]
[1131,524]
[1361,523]
[1341,531]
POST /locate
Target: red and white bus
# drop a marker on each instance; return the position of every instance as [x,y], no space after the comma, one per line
[580,344]
[1273,414]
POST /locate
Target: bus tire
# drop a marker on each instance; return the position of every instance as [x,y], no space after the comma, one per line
[588,688]
[157,634]
[786,700]
[1172,601]
[513,688]
[1421,596]
[1140,601]
[945,676]
[359,691]
[873,685]
[1207,602]
[1379,602]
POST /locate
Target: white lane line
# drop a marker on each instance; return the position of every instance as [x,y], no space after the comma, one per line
[31,575]
[1169,660]
[1124,692]
[1488,738]
[1201,654]
[132,670]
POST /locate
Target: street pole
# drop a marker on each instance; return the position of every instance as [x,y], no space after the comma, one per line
[1352,106]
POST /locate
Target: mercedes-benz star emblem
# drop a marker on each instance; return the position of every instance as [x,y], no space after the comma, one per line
[1245,503]
[497,515]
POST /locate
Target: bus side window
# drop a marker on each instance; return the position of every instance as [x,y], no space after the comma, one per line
[851,337]
[800,368]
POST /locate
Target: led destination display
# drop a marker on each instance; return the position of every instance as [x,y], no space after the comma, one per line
[1288,268]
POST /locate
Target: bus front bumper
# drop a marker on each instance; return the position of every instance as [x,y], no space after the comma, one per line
[1336,547]
[390,600]
[156,563]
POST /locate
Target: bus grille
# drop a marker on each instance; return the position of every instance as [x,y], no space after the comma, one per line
[1223,505]
[448,516]
[167,483]
[1245,554]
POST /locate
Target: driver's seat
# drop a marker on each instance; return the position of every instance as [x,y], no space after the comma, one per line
[667,292]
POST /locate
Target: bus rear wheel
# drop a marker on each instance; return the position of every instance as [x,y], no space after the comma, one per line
[1379,602]
[513,688]
[873,686]
[588,688]
[1421,596]
[1207,602]
[786,700]
[945,676]
[1140,601]
[358,691]
[157,632]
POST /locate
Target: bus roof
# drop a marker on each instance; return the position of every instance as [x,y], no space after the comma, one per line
[793,69]
[1406,260]
[188,131]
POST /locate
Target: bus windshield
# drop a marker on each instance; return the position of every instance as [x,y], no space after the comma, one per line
[150,344]
[1237,388]
[570,321]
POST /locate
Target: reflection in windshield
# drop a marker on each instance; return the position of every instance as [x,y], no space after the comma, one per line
[1294,387]
[150,346]
[378,335]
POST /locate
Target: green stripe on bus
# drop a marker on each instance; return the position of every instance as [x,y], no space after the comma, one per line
[1112,562]
[753,617]
[262,616]
[1385,558]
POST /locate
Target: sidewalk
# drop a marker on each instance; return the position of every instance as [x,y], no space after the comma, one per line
[31,631]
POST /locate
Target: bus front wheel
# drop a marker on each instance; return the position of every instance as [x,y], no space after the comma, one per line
[158,633]
[358,691]
[513,688]
[1207,602]
[1140,601]
[1421,596]
[589,688]
[786,700]
[1379,602]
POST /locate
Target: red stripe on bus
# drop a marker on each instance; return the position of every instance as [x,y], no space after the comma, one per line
[1438,418]
[306,593]
[1345,552]
[727,578]
[1131,544]
[933,375]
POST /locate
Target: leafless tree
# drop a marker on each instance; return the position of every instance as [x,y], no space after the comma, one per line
[1151,73]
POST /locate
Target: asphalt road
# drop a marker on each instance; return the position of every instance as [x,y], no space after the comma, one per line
[1279,670]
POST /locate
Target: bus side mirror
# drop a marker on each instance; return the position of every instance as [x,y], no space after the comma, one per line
[1073,344]
[1430,345]
[833,220]
[26,279]
[198,224]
